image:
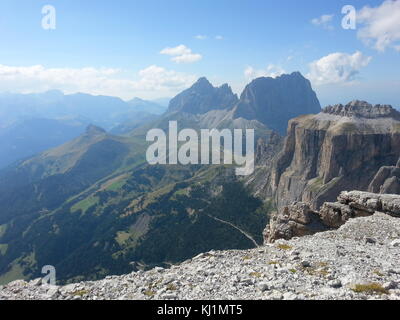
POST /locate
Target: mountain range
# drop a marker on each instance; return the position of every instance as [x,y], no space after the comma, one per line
[93,206]
[32,123]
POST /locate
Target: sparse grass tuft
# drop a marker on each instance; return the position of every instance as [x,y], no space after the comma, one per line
[149,293]
[371,288]
[378,273]
[323,272]
[284,246]
[80,293]
[322,264]
[256,274]
[171,287]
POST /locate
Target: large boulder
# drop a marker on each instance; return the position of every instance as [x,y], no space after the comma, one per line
[296,220]
[299,219]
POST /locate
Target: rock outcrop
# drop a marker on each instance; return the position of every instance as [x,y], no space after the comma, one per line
[275,101]
[341,148]
[387,180]
[362,109]
[298,219]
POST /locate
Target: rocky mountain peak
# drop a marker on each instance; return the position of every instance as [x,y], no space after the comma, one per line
[203,97]
[274,101]
[203,83]
[226,88]
[362,109]
[297,74]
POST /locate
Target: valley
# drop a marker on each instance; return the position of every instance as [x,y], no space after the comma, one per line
[124,213]
[94,206]
[199,150]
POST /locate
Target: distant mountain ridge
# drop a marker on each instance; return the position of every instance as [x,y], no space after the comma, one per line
[202,97]
[269,101]
[266,104]
[26,138]
[149,107]
[274,101]
[32,123]
[105,111]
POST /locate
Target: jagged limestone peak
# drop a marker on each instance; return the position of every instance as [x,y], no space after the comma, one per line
[362,109]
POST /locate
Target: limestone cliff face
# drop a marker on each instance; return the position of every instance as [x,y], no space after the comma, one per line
[341,148]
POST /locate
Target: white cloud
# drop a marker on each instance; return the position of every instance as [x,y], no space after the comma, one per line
[181,54]
[201,37]
[272,71]
[204,37]
[381,25]
[159,78]
[151,82]
[187,58]
[175,51]
[323,21]
[337,68]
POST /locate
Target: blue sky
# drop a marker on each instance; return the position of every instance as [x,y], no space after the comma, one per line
[115,47]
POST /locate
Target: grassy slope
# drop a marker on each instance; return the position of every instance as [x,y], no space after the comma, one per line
[118,210]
